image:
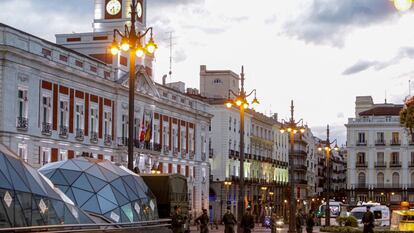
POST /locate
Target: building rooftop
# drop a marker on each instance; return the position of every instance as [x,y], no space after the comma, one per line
[383,110]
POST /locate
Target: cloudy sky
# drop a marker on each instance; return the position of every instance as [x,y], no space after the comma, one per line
[320,53]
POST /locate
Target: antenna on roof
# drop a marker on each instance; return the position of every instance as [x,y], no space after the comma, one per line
[171,47]
[409,87]
[385,96]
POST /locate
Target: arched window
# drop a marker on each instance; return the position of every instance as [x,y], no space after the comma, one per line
[395,179]
[361,179]
[380,180]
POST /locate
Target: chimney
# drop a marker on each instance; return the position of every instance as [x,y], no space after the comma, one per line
[164,77]
[203,68]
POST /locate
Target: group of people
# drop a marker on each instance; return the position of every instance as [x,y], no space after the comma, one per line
[309,221]
[179,220]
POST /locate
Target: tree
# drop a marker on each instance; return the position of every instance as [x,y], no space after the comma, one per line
[407,118]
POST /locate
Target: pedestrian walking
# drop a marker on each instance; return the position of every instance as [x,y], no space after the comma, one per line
[247,222]
[299,221]
[310,222]
[368,221]
[178,220]
[229,221]
[203,221]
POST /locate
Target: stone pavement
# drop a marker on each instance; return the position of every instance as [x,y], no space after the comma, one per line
[256,229]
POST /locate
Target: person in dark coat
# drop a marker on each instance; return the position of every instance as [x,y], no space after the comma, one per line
[203,221]
[178,220]
[310,222]
[247,222]
[368,221]
[229,221]
[299,221]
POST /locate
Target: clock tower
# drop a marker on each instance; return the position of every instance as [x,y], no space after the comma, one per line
[111,14]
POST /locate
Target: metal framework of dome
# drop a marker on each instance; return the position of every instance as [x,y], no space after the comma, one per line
[27,198]
[103,188]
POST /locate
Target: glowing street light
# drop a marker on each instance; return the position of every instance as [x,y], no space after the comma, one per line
[403,5]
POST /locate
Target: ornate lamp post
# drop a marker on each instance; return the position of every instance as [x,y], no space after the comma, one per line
[131,41]
[327,147]
[240,101]
[292,127]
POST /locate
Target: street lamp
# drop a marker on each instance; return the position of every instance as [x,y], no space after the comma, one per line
[402,5]
[240,101]
[292,127]
[327,148]
[131,41]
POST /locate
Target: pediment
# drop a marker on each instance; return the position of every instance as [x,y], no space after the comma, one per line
[143,82]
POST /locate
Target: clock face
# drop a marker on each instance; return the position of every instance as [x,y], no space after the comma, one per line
[113,7]
[139,10]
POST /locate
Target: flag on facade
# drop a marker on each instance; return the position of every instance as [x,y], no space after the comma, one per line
[142,134]
[148,132]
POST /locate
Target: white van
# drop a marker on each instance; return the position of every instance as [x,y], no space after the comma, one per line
[337,209]
[381,214]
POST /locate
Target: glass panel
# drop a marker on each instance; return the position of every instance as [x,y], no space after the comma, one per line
[35,186]
[4,183]
[69,218]
[128,212]
[92,205]
[121,199]
[4,220]
[107,193]
[18,183]
[83,183]
[81,196]
[97,184]
[94,171]
[71,176]
[108,174]
[58,178]
[106,205]
[25,202]
[82,163]
[37,219]
[69,165]
[118,185]
[69,193]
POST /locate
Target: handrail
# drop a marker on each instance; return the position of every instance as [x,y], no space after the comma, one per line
[90,226]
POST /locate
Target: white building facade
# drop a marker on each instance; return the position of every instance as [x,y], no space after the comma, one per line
[265,149]
[380,154]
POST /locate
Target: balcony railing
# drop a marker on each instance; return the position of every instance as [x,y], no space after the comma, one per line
[22,123]
[191,154]
[380,143]
[395,142]
[79,134]
[93,137]
[175,152]
[380,164]
[411,164]
[63,131]
[210,153]
[361,143]
[361,164]
[395,164]
[107,139]
[387,186]
[46,129]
